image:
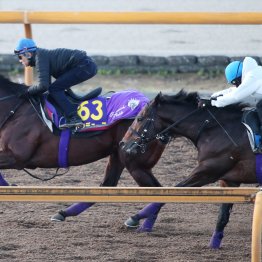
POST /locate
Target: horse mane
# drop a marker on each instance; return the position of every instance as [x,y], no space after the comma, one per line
[9,86]
[182,96]
[193,97]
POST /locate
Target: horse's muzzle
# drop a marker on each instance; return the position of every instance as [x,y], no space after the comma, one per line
[130,148]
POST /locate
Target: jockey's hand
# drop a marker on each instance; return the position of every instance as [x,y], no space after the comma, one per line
[204,103]
[215,97]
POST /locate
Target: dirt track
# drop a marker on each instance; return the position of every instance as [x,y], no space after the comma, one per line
[181,233]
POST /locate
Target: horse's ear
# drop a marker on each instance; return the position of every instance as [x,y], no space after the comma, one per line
[158,98]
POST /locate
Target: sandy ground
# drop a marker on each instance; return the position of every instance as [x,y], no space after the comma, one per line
[181,233]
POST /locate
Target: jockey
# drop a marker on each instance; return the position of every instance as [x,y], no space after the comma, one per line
[246,77]
[68,67]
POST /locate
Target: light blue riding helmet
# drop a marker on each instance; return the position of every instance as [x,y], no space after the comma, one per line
[25,45]
[233,71]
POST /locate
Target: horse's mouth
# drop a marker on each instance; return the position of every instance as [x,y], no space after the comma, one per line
[129,147]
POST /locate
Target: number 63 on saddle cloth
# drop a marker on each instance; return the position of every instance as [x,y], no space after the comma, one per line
[100,112]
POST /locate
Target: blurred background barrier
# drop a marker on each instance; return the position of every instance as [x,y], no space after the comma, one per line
[38,17]
[139,63]
[144,64]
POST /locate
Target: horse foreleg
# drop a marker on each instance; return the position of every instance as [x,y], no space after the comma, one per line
[149,212]
[113,170]
[223,219]
[73,210]
[112,174]
[7,160]
[3,182]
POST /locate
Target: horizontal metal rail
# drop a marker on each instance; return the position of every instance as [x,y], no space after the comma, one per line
[43,17]
[124,194]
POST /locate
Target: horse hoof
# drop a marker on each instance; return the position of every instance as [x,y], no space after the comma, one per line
[59,217]
[132,223]
[144,229]
[216,239]
[148,224]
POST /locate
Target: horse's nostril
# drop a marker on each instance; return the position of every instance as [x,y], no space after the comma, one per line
[121,143]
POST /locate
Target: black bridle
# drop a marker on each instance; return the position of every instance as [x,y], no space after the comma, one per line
[145,135]
[163,136]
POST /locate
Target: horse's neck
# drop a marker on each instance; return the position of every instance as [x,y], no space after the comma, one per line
[213,122]
[10,104]
[190,124]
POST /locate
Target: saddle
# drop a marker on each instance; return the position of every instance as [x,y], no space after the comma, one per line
[98,112]
[51,114]
[252,123]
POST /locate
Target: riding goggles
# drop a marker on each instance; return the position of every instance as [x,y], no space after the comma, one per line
[236,82]
[24,50]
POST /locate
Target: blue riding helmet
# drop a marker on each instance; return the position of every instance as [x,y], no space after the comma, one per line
[25,45]
[233,71]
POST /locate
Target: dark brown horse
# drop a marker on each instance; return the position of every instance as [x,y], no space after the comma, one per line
[224,152]
[26,142]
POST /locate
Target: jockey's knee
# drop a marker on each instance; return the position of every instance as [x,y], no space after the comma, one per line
[91,69]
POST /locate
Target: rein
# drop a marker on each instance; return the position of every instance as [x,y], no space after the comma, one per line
[7,97]
[12,112]
[46,179]
[163,132]
[162,135]
[159,135]
[228,135]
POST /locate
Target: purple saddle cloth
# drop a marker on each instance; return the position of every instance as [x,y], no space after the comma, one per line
[101,113]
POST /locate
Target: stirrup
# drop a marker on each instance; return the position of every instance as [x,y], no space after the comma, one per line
[71,125]
[63,124]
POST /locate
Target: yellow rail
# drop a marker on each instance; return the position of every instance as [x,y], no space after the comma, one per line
[42,17]
[124,194]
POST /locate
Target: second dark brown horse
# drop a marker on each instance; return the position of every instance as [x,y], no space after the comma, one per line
[224,152]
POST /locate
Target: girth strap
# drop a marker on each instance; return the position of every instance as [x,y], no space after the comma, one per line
[64,148]
[259,168]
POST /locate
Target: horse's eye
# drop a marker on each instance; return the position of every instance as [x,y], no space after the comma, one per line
[139,119]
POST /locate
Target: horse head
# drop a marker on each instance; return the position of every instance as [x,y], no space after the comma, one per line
[167,116]
[145,128]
